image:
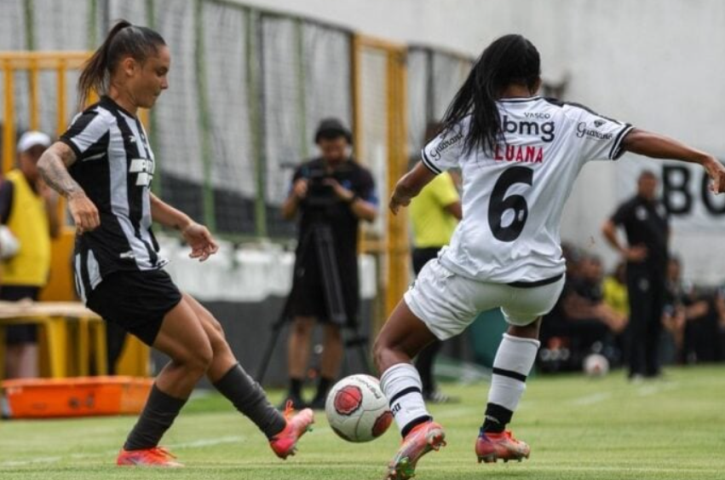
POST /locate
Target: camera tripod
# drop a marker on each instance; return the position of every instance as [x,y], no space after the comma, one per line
[319,236]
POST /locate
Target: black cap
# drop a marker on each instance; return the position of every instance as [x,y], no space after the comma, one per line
[330,128]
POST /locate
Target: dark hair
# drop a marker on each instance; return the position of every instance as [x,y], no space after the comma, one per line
[332,129]
[123,40]
[432,130]
[511,59]
[647,174]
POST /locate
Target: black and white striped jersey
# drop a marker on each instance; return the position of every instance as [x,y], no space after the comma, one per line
[115,166]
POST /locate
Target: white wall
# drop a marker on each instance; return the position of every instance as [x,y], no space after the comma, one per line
[658,64]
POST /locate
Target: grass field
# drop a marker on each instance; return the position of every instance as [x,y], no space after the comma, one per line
[578,428]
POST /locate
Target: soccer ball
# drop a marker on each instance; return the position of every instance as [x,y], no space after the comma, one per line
[596,365]
[357,409]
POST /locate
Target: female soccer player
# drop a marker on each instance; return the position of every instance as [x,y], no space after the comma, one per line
[519,154]
[104,166]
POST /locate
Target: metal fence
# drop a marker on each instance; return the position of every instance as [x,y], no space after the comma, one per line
[247,89]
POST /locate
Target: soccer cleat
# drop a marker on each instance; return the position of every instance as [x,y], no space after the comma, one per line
[421,440]
[148,457]
[493,446]
[284,443]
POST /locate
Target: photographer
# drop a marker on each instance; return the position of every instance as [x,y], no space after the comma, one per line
[332,193]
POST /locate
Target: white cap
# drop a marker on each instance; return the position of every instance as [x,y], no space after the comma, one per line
[30,139]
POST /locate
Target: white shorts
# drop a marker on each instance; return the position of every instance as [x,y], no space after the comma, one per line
[448,303]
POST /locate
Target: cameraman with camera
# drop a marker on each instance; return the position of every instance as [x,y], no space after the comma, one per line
[332,193]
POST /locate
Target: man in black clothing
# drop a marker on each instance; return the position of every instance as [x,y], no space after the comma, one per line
[646,224]
[332,193]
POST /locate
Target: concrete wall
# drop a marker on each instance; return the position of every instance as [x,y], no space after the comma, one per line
[653,63]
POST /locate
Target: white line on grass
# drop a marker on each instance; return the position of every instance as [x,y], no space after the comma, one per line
[591,399]
[204,442]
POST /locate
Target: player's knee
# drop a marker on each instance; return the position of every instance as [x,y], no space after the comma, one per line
[199,358]
[303,327]
[217,329]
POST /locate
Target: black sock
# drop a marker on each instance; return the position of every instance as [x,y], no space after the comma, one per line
[414,423]
[157,416]
[323,386]
[497,417]
[295,386]
[249,398]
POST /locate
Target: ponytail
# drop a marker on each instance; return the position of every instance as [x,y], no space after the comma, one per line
[93,76]
[511,59]
[124,39]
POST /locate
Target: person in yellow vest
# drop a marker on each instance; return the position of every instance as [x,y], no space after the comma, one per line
[28,208]
[615,290]
[434,214]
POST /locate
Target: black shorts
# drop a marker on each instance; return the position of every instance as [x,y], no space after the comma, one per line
[421,256]
[136,301]
[309,298]
[20,334]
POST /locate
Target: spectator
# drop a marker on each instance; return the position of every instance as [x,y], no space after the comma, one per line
[615,290]
[28,207]
[693,318]
[581,320]
[332,193]
[645,221]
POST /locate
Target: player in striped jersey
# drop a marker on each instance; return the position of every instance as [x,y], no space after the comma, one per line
[520,155]
[104,166]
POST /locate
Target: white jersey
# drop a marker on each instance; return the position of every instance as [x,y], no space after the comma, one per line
[513,197]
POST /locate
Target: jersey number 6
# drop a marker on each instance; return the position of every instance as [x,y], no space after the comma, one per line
[500,204]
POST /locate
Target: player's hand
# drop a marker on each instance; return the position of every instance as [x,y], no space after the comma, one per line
[716,171]
[397,201]
[200,240]
[299,189]
[636,254]
[84,213]
[341,192]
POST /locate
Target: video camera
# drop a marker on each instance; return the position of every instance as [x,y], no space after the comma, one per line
[319,193]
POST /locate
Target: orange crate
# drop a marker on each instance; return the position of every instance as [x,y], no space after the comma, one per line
[76,397]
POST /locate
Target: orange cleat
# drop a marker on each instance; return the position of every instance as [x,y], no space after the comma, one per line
[419,441]
[149,457]
[284,443]
[493,446]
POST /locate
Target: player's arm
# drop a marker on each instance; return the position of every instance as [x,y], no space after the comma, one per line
[196,235]
[53,167]
[168,216]
[50,197]
[410,186]
[654,145]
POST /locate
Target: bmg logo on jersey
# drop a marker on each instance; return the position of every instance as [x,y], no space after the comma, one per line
[544,130]
[144,167]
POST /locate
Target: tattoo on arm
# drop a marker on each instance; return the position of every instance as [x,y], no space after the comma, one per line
[53,166]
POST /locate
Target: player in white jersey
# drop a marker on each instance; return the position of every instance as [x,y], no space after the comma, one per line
[519,154]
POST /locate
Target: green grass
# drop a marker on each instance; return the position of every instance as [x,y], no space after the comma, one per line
[578,428]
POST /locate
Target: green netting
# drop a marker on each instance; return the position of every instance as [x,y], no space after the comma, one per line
[178,136]
[247,90]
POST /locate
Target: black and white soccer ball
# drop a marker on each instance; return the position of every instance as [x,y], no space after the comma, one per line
[357,409]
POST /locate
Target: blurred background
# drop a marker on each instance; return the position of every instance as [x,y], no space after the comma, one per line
[251,80]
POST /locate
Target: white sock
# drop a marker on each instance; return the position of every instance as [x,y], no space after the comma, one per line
[514,359]
[402,386]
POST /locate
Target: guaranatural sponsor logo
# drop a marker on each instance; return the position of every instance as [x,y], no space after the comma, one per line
[452,137]
[583,131]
